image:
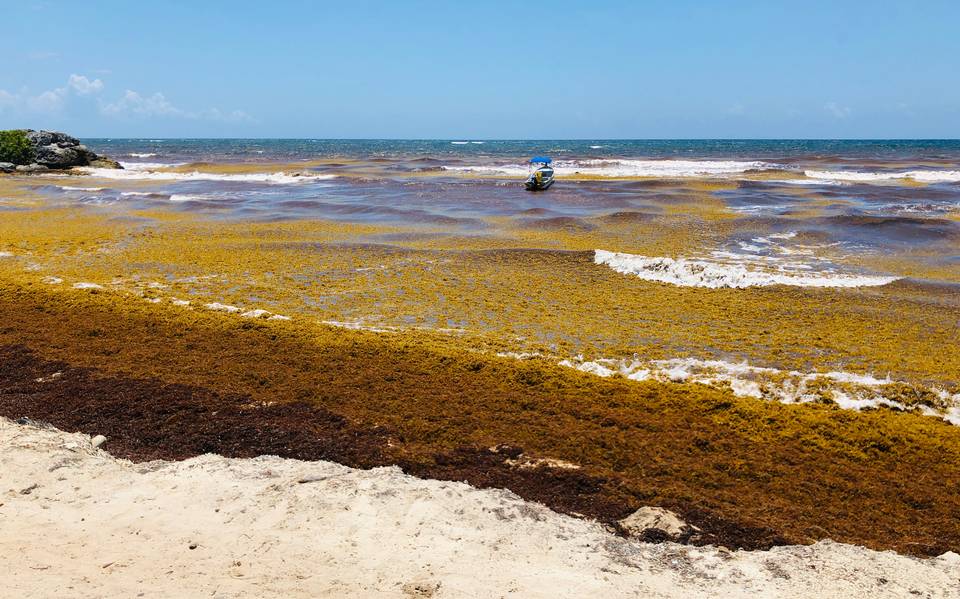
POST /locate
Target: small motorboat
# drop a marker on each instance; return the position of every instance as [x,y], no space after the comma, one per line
[541,177]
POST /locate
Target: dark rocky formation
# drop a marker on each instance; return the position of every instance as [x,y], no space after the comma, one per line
[56,150]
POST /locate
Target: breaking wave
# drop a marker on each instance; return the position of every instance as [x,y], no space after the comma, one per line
[149,166]
[920,176]
[629,168]
[145,172]
[716,274]
[88,189]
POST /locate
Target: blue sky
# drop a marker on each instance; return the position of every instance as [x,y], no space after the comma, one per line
[413,69]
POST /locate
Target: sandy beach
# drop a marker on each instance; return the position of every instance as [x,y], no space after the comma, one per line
[75,521]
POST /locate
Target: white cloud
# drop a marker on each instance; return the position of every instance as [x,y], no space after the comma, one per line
[51,101]
[84,86]
[7,99]
[838,111]
[48,101]
[131,104]
[134,104]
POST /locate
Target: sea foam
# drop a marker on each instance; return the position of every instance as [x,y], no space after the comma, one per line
[761,262]
[150,174]
[848,390]
[920,176]
[149,166]
[88,189]
[628,168]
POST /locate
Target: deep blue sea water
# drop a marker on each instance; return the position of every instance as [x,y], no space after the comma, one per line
[947,151]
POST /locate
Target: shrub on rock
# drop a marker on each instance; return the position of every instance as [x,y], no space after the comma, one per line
[36,151]
[15,147]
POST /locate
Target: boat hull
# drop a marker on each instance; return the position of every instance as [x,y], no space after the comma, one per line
[534,186]
[540,180]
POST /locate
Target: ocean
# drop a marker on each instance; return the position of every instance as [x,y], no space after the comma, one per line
[864,197]
[467,179]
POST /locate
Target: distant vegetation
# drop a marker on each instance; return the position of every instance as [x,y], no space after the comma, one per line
[15,147]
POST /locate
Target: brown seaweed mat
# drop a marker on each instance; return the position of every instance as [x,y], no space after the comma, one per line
[163,382]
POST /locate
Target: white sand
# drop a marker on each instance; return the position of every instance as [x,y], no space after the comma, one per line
[76,522]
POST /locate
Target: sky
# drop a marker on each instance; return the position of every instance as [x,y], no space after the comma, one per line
[482,70]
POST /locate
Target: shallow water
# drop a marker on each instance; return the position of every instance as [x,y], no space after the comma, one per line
[870,198]
[444,181]
[658,248]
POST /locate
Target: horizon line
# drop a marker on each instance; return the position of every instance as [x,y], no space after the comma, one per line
[607,139]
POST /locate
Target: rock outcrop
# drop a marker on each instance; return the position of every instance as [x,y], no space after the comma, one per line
[32,168]
[56,150]
[656,524]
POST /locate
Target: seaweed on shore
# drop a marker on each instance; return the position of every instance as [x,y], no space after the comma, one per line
[750,473]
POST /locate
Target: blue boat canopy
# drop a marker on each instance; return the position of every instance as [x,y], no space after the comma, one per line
[540,159]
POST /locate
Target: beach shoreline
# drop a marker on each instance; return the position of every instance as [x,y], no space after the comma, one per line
[78,521]
[153,377]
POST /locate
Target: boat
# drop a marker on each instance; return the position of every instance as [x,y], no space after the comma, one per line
[541,177]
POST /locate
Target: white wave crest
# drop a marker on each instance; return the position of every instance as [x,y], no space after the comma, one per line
[141,154]
[279,178]
[847,390]
[714,274]
[149,166]
[628,168]
[90,189]
[808,182]
[868,176]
